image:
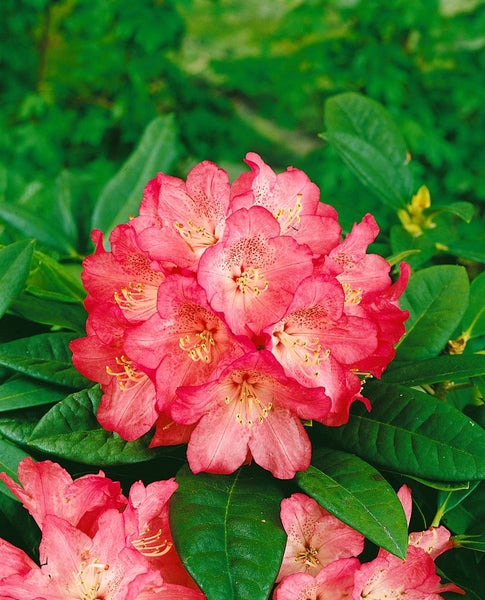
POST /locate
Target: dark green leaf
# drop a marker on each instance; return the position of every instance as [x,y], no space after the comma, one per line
[22,392]
[436,298]
[439,368]
[368,140]
[54,281]
[359,496]
[30,225]
[411,432]
[70,431]
[10,456]
[157,151]
[228,532]
[14,268]
[45,356]
[51,312]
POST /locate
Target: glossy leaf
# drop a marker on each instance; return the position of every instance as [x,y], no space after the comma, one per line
[228,532]
[49,311]
[45,356]
[439,368]
[464,210]
[411,432]
[474,317]
[436,298]
[54,281]
[69,430]
[10,456]
[23,392]
[14,268]
[368,140]
[157,151]
[31,225]
[358,495]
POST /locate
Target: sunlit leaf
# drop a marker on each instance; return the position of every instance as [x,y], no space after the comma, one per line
[14,268]
[120,199]
[33,226]
[474,317]
[358,495]
[228,532]
[10,456]
[368,140]
[436,298]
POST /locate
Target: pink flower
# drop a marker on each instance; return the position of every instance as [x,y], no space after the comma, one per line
[388,576]
[292,199]
[335,581]
[47,489]
[128,404]
[184,342]
[252,406]
[191,214]
[252,273]
[315,537]
[320,345]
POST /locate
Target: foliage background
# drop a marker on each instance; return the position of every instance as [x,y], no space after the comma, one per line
[82,79]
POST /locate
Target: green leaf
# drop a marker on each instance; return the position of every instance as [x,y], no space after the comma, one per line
[14,268]
[22,392]
[436,298]
[464,210]
[55,281]
[474,317]
[10,456]
[30,225]
[412,433]
[51,312]
[45,356]
[359,496]
[436,369]
[228,532]
[157,151]
[69,430]
[368,140]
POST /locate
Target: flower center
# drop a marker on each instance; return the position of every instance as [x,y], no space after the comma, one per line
[198,345]
[308,556]
[252,408]
[289,218]
[128,376]
[352,296]
[138,300]
[251,280]
[152,545]
[196,236]
[88,581]
[308,353]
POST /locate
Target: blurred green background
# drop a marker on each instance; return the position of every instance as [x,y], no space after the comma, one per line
[81,79]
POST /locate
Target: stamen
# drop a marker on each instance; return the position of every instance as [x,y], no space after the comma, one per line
[196,236]
[198,345]
[310,353]
[251,280]
[88,580]
[352,296]
[150,546]
[253,408]
[128,376]
[289,217]
[308,556]
[138,298]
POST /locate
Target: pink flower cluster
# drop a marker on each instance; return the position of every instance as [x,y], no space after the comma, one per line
[224,315]
[96,543]
[320,559]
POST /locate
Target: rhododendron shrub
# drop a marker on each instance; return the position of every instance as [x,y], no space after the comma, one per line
[224,315]
[96,542]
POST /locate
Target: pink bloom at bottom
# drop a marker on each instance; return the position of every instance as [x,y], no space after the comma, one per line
[315,537]
[333,582]
[251,407]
